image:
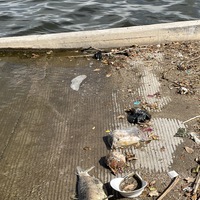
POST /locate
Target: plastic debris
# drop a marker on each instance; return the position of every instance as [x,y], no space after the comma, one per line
[98,55]
[196,137]
[120,117]
[116,161]
[97,70]
[108,75]
[137,115]
[127,137]
[136,103]
[187,189]
[76,82]
[183,90]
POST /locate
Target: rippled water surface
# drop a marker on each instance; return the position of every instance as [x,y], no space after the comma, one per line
[26,17]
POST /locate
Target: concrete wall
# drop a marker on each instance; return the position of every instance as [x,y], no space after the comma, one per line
[116,37]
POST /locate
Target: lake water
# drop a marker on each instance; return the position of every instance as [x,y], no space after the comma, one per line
[26,17]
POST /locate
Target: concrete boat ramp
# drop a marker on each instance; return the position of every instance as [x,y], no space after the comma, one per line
[47,128]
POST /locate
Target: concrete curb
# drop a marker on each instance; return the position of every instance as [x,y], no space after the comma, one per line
[116,37]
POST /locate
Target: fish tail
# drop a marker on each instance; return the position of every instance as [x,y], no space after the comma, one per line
[80,170]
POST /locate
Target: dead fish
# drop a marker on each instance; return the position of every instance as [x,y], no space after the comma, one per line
[89,188]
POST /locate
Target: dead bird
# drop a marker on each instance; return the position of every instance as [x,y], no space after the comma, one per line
[89,188]
[137,115]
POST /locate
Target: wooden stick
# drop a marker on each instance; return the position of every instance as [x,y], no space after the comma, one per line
[196,183]
[191,119]
[170,187]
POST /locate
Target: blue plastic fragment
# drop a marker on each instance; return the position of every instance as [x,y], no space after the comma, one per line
[136,102]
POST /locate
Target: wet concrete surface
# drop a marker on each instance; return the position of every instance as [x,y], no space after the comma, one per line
[47,129]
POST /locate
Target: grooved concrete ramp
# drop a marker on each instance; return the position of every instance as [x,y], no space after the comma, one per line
[47,129]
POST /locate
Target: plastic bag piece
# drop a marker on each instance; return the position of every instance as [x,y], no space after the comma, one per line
[127,137]
[137,115]
[98,55]
[76,82]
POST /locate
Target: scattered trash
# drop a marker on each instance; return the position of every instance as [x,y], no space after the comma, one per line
[187,189]
[183,90]
[34,55]
[152,183]
[129,90]
[137,115]
[98,55]
[108,75]
[87,148]
[154,193]
[75,83]
[97,70]
[182,132]
[89,187]
[49,52]
[157,95]
[189,179]
[127,137]
[195,136]
[120,117]
[150,106]
[130,156]
[196,169]
[129,186]
[116,161]
[173,175]
[152,136]
[136,103]
[189,150]
[148,129]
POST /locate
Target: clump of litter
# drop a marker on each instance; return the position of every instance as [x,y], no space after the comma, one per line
[196,137]
[137,115]
[76,82]
[127,137]
[182,132]
[116,161]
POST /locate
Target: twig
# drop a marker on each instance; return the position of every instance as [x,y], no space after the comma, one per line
[193,59]
[171,186]
[197,183]
[191,119]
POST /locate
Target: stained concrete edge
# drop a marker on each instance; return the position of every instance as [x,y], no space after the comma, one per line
[108,38]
